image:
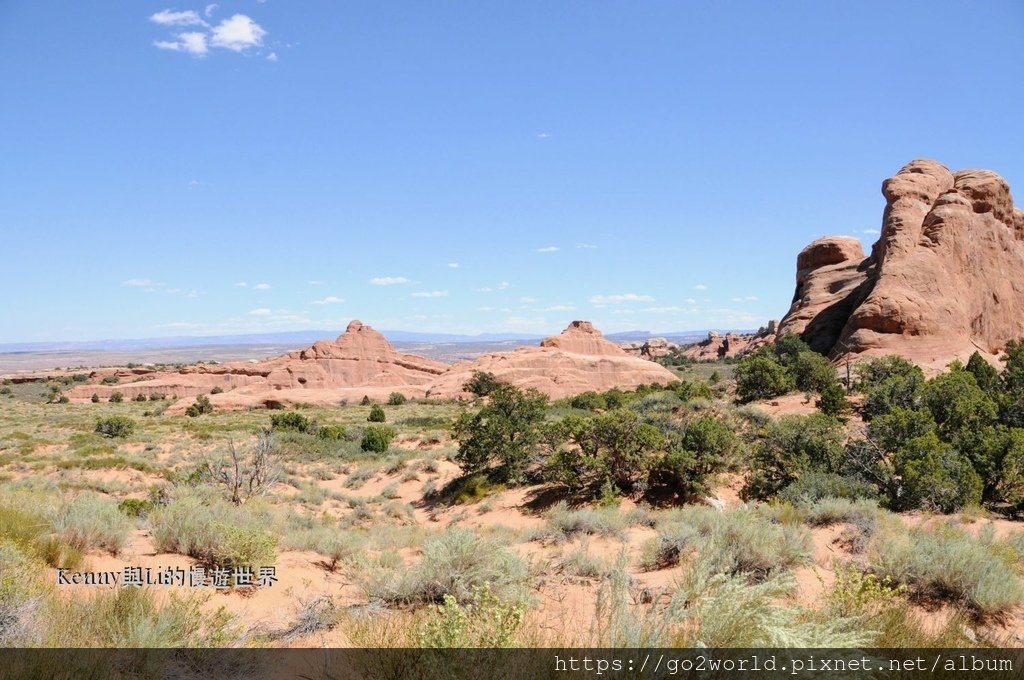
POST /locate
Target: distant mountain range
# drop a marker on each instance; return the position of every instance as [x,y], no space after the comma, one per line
[300,338]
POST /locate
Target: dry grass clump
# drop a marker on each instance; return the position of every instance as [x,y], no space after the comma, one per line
[948,564]
[91,521]
[203,525]
[454,562]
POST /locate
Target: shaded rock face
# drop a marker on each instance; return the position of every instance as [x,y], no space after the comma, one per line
[945,278]
[578,360]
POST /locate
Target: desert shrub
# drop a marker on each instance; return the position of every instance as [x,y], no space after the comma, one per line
[985,374]
[291,421]
[484,622]
[468,489]
[957,403]
[704,448]
[213,531]
[743,542]
[565,524]
[116,398]
[899,425]
[889,382]
[110,380]
[688,390]
[115,426]
[668,548]
[790,447]
[614,450]
[140,397]
[202,405]
[95,398]
[826,511]
[935,476]
[506,432]
[377,438]
[331,432]
[814,486]
[157,396]
[946,564]
[396,399]
[729,611]
[455,563]
[377,414]
[245,476]
[136,507]
[833,401]
[811,371]
[365,400]
[588,401]
[90,521]
[761,377]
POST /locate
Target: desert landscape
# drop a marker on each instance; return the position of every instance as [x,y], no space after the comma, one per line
[848,476]
[483,340]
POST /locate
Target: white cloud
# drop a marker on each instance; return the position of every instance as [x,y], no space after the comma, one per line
[241,284]
[329,300]
[191,43]
[547,249]
[141,283]
[588,246]
[238,33]
[662,310]
[557,308]
[431,294]
[616,299]
[388,280]
[260,311]
[169,17]
[504,285]
[544,135]
[453,265]
[869,231]
[690,301]
[527,300]
[485,309]
[316,283]
[210,9]
[272,56]
[261,286]
[700,286]
[750,297]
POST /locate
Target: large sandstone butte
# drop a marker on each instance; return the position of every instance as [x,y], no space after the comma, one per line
[578,360]
[945,278]
[360,362]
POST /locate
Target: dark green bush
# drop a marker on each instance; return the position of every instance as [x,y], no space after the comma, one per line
[110,380]
[201,406]
[331,432]
[790,447]
[377,438]
[396,399]
[115,426]
[217,390]
[377,414]
[506,431]
[290,421]
[95,398]
[935,477]
[814,486]
[140,397]
[761,377]
[136,507]
[116,398]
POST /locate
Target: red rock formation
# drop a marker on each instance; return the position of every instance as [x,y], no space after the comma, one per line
[730,345]
[361,361]
[945,278]
[578,360]
[650,349]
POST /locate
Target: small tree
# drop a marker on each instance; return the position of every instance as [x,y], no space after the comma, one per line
[396,399]
[366,400]
[95,398]
[506,430]
[761,377]
[290,420]
[833,401]
[482,383]
[790,447]
[377,414]
[935,476]
[116,398]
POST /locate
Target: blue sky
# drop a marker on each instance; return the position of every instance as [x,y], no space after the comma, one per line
[196,169]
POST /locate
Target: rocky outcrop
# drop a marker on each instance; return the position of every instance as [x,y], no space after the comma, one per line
[578,360]
[360,362]
[730,345]
[945,278]
[650,349]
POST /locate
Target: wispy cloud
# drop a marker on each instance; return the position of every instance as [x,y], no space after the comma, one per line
[430,294]
[620,298]
[453,265]
[261,286]
[544,135]
[388,280]
[504,285]
[141,283]
[329,300]
[192,42]
[662,310]
[210,9]
[260,311]
[587,246]
[869,231]
[151,286]
[700,286]
[548,249]
[557,308]
[241,284]
[316,283]
[169,17]
[527,300]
